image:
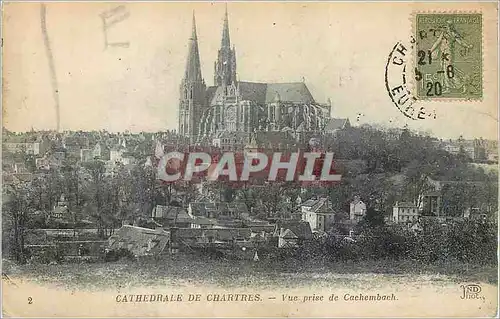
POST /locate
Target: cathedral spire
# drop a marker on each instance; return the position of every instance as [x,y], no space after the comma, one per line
[225,65]
[193,67]
[226,42]
[193,33]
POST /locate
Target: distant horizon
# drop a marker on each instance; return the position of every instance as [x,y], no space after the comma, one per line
[136,87]
[374,125]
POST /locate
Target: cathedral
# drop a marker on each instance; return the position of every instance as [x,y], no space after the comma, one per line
[230,105]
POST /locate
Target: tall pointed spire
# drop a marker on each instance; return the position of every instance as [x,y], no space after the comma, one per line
[193,33]
[226,42]
[193,67]
[225,66]
[192,90]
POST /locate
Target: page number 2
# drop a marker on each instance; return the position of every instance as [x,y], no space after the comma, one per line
[30,300]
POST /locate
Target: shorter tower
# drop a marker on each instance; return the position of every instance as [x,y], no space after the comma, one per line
[225,66]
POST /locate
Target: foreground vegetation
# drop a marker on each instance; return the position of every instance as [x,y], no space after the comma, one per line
[185,270]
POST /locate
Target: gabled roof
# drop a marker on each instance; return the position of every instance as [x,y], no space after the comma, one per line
[322,205]
[262,93]
[288,234]
[140,241]
[289,92]
[300,228]
[172,212]
[201,220]
[252,91]
[336,124]
[309,203]
[237,207]
[227,234]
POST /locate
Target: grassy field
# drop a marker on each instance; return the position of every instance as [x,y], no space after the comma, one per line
[182,271]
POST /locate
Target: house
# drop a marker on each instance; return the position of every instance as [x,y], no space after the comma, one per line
[86,155]
[334,125]
[405,212]
[20,168]
[204,222]
[233,210]
[29,148]
[9,179]
[455,146]
[42,163]
[299,231]
[259,226]
[318,213]
[174,216]
[73,145]
[115,154]
[61,210]
[8,165]
[233,235]
[205,209]
[357,210]
[287,238]
[230,141]
[222,210]
[101,151]
[198,237]
[140,241]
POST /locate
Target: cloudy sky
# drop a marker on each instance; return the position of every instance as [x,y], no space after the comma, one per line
[340,49]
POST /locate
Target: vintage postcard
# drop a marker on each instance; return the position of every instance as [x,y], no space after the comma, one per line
[249,159]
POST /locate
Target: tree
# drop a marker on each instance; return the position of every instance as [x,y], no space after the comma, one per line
[372,219]
[16,207]
[97,195]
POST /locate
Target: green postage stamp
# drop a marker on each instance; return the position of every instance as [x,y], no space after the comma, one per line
[448,56]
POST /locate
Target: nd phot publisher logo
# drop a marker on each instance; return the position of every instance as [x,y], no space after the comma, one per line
[471,291]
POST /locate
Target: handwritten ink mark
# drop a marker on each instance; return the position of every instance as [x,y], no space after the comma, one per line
[109,19]
[52,68]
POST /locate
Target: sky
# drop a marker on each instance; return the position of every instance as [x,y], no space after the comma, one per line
[339,49]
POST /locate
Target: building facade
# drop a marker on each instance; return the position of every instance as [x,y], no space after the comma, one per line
[318,213]
[240,106]
[405,212]
[357,210]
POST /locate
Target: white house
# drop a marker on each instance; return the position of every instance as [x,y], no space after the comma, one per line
[29,148]
[115,155]
[318,213]
[405,212]
[357,210]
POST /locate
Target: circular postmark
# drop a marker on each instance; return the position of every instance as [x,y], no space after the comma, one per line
[397,76]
